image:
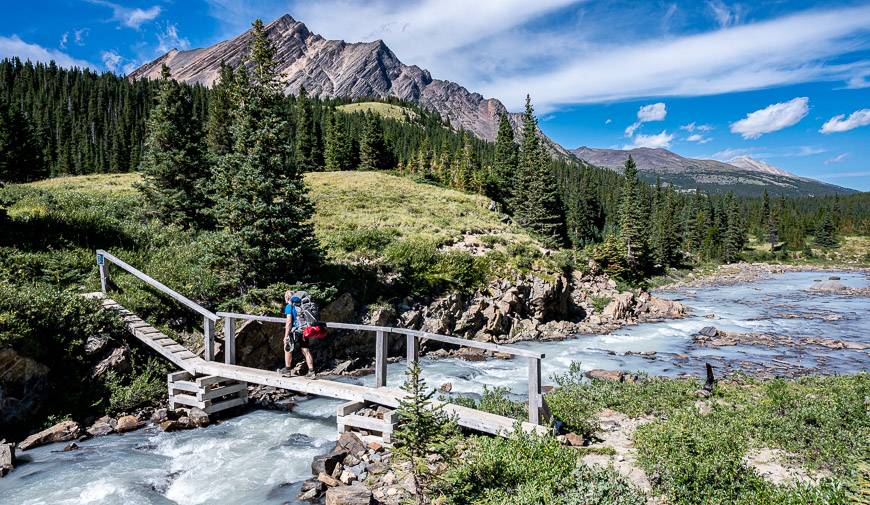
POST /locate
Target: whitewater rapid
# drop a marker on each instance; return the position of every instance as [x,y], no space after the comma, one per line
[263,456]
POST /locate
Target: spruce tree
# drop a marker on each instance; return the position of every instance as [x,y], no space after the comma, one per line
[535,202]
[824,236]
[372,147]
[633,222]
[733,239]
[221,107]
[305,138]
[20,156]
[423,429]
[262,203]
[505,163]
[174,167]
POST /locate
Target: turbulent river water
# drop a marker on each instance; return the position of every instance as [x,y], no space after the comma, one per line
[262,456]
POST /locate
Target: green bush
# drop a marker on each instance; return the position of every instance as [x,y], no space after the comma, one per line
[364,239]
[459,269]
[495,401]
[523,254]
[411,256]
[145,385]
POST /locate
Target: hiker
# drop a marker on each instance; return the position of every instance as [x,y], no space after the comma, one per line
[293,335]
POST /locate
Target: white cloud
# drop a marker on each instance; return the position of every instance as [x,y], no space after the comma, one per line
[659,140]
[697,137]
[691,127]
[608,121]
[840,123]
[14,46]
[79,36]
[169,39]
[646,114]
[836,159]
[111,60]
[777,52]
[731,153]
[726,16]
[131,17]
[772,118]
[63,40]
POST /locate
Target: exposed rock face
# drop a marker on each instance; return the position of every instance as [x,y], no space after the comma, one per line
[60,432]
[23,382]
[335,68]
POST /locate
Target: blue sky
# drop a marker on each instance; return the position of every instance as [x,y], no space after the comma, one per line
[786,82]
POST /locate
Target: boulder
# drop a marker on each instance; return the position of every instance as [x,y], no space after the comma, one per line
[95,344]
[326,463]
[340,310]
[411,319]
[548,300]
[328,480]
[574,440]
[60,432]
[198,417]
[351,443]
[72,446]
[659,308]
[473,318]
[708,331]
[607,375]
[382,315]
[128,423]
[446,387]
[102,426]
[159,416]
[348,495]
[619,307]
[7,458]
[346,477]
[118,360]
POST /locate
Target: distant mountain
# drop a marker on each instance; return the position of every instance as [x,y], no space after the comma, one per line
[335,68]
[744,175]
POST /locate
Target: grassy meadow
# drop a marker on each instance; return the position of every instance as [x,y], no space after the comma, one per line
[386,110]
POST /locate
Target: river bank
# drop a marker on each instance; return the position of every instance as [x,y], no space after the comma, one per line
[269,453]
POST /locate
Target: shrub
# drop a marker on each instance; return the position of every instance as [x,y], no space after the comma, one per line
[146,384]
[364,239]
[494,400]
[459,269]
[411,255]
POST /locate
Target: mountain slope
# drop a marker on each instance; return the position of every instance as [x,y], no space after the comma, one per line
[744,176]
[336,68]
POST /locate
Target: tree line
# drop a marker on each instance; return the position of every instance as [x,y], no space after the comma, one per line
[223,158]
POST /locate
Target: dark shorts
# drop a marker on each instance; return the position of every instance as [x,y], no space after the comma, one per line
[296,340]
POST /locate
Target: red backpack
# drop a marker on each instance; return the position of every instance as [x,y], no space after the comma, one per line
[315,331]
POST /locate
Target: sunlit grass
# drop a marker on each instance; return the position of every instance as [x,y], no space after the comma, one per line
[387,110]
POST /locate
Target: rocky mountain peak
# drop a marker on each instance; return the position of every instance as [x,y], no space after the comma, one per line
[336,68]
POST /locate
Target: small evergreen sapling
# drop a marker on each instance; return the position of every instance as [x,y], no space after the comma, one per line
[424,429]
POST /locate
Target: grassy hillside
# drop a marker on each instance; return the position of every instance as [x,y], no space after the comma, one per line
[387,110]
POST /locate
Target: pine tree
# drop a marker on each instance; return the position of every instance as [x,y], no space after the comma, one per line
[824,236]
[372,147]
[262,203]
[633,221]
[174,167]
[423,429]
[466,165]
[505,164]
[333,142]
[734,238]
[305,138]
[773,225]
[20,156]
[665,238]
[221,107]
[535,203]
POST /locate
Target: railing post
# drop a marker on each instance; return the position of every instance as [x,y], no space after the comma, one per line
[412,349]
[380,359]
[104,272]
[535,390]
[208,336]
[229,340]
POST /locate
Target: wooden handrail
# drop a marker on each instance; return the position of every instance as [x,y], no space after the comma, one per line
[400,331]
[147,279]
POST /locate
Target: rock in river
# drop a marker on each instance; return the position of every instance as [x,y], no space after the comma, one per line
[348,495]
[60,432]
[7,458]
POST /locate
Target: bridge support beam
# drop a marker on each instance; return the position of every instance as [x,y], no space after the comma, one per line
[208,337]
[210,393]
[535,396]
[380,359]
[104,273]
[229,341]
[412,349]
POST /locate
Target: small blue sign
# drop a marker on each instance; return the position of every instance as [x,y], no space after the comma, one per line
[100,259]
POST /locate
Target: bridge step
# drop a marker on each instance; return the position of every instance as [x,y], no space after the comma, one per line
[210,393]
[348,416]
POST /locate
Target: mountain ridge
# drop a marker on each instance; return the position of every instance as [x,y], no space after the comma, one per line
[347,69]
[745,176]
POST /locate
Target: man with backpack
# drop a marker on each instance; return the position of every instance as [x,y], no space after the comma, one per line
[297,320]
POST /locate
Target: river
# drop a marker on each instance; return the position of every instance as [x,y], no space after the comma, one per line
[262,456]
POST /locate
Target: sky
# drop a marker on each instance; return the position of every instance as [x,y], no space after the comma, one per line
[786,81]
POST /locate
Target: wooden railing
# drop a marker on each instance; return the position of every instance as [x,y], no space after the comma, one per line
[537,407]
[209,318]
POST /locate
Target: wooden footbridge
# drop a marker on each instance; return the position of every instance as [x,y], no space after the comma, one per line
[215,386]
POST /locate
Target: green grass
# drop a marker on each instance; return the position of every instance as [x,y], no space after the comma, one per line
[386,110]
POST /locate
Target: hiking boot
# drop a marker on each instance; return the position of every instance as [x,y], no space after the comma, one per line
[285,371]
[311,375]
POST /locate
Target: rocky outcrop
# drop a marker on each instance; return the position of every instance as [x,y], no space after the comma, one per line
[335,68]
[60,432]
[102,426]
[23,384]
